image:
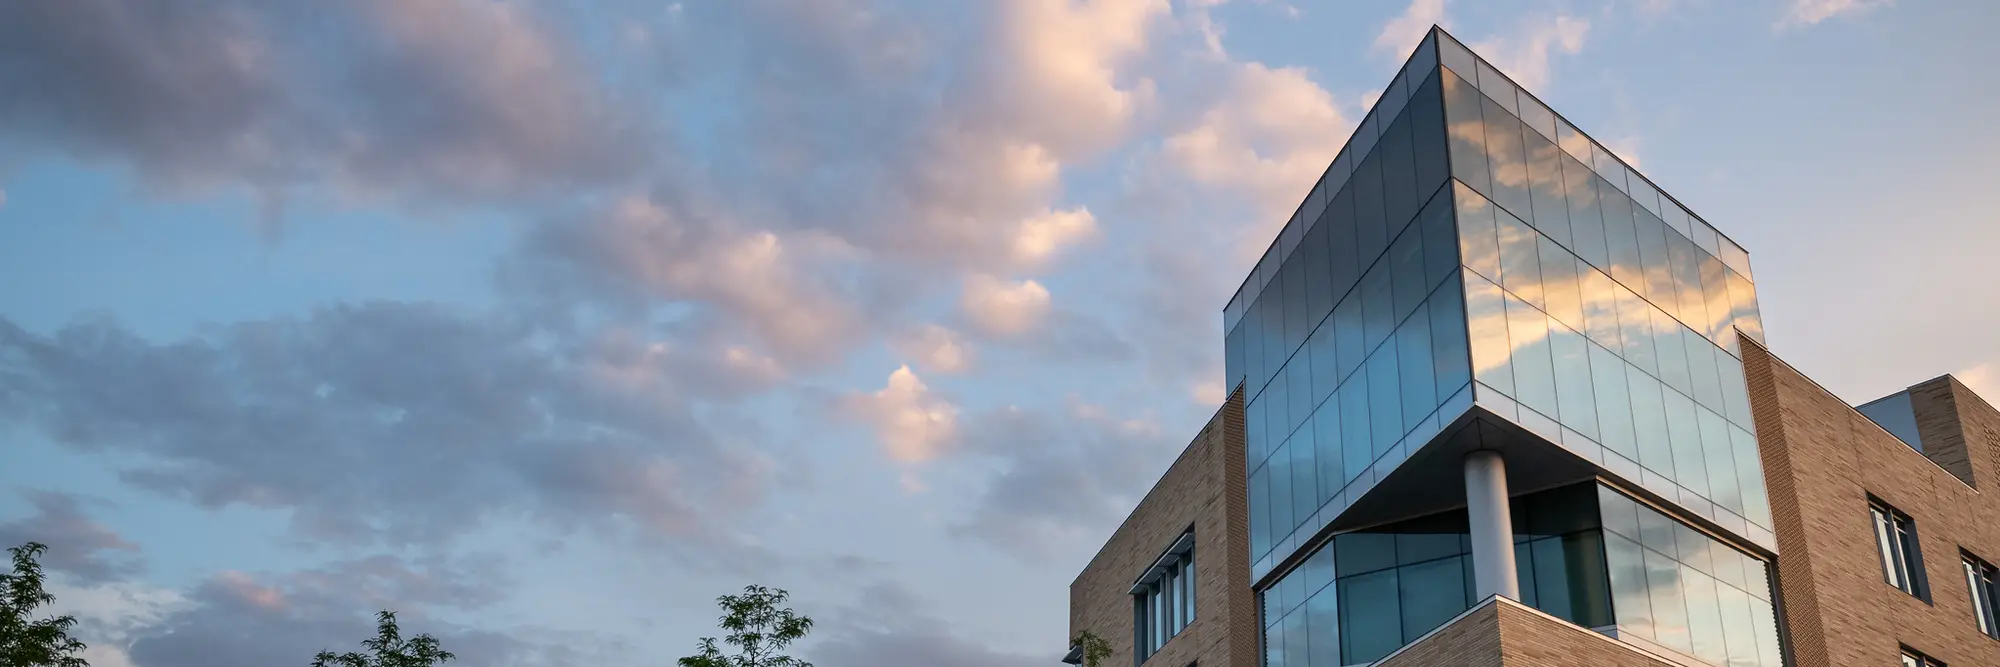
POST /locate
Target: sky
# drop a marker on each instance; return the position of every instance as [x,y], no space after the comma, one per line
[544,324]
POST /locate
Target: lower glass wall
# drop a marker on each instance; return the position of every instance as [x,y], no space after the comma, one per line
[1369,592]
[1674,587]
[1584,553]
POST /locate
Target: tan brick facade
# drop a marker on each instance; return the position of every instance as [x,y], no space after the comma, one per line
[1823,461]
[1505,633]
[1204,489]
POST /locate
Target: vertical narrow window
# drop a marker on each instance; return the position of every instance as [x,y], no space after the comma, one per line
[1163,599]
[1983,582]
[1896,540]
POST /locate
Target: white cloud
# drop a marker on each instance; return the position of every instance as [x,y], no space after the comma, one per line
[1400,35]
[913,424]
[1268,137]
[1811,12]
[1001,307]
[1525,56]
[934,348]
[1042,236]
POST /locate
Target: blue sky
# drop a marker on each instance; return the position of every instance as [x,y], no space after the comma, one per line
[547,323]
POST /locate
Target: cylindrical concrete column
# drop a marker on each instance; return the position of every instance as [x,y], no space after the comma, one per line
[1492,525]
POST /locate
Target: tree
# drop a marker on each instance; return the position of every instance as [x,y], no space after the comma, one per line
[758,628]
[1095,649]
[388,649]
[30,643]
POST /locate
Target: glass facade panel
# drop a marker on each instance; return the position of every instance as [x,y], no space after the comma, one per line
[1599,312]
[1392,584]
[1678,587]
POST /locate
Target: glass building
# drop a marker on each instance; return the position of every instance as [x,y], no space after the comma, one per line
[1487,357]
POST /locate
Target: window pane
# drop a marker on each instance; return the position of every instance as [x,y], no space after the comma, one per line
[1655,263]
[1305,493]
[1378,305]
[1468,134]
[1399,179]
[1687,280]
[1294,276]
[1326,445]
[1448,340]
[1440,239]
[1385,401]
[1520,259]
[1685,433]
[1432,593]
[1427,137]
[1575,389]
[1631,599]
[1280,466]
[1621,238]
[1739,631]
[1586,218]
[1766,626]
[1614,403]
[1486,323]
[1635,330]
[1719,454]
[1670,617]
[1715,296]
[1885,545]
[1649,419]
[1413,350]
[1534,371]
[1750,477]
[1371,233]
[1545,185]
[1367,637]
[1344,264]
[1298,390]
[1560,285]
[1321,353]
[1478,238]
[1357,450]
[1319,282]
[1704,617]
[1349,334]
[1671,353]
[1743,299]
[1323,623]
[1406,269]
[1297,640]
[1509,160]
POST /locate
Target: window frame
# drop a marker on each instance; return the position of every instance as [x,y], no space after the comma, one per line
[1915,658]
[1982,583]
[1898,549]
[1163,599]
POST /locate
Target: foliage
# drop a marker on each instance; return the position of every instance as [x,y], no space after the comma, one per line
[388,649]
[1095,649]
[30,643]
[758,628]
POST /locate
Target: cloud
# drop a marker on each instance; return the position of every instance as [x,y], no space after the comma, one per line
[1067,475]
[1042,236]
[934,348]
[1812,12]
[435,102]
[77,545]
[1400,35]
[1267,136]
[1525,56]
[913,424]
[385,423]
[892,625]
[1001,307]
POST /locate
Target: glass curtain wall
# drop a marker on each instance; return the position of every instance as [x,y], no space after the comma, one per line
[1584,553]
[1367,593]
[1357,337]
[1674,587]
[1601,314]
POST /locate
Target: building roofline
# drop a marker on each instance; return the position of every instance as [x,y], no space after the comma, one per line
[1213,420]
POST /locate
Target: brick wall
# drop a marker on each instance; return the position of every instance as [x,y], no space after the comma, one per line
[1205,489]
[1504,633]
[1823,460]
